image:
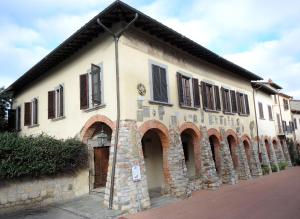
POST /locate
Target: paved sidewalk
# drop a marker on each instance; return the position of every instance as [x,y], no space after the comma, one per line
[276,196]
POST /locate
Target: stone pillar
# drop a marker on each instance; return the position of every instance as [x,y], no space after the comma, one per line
[279,153]
[209,174]
[178,171]
[128,195]
[286,153]
[254,160]
[228,173]
[243,168]
[264,154]
[273,158]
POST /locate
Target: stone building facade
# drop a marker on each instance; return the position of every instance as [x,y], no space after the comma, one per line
[186,120]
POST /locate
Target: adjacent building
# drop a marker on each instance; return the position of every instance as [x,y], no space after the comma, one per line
[158,112]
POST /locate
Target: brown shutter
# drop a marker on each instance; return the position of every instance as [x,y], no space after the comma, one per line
[261,111]
[51,104]
[233,101]
[217,98]
[61,101]
[224,100]
[84,91]
[270,113]
[238,101]
[204,95]
[196,93]
[27,114]
[180,89]
[247,104]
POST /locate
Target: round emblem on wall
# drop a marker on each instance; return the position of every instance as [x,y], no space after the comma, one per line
[141,89]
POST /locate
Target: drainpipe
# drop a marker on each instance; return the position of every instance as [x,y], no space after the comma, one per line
[116,37]
[257,133]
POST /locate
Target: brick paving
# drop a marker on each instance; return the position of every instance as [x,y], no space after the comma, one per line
[274,196]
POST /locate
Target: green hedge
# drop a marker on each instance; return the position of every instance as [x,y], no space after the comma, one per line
[42,155]
[265,169]
[282,165]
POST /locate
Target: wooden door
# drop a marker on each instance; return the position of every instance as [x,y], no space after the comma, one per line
[101,158]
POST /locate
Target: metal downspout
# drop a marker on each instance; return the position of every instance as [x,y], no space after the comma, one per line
[116,37]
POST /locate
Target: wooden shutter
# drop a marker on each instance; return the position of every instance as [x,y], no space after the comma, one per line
[270,113]
[217,98]
[196,93]
[247,104]
[96,84]
[295,124]
[156,83]
[261,111]
[180,89]
[233,102]
[11,119]
[238,101]
[51,104]
[35,118]
[84,91]
[284,126]
[204,95]
[223,100]
[61,93]
[27,114]
[163,85]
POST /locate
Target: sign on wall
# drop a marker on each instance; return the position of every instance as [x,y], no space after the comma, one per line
[136,173]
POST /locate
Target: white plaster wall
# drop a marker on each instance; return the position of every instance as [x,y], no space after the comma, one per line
[101,50]
[265,126]
[134,70]
[297,131]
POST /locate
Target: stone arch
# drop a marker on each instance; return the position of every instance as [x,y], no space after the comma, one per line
[192,130]
[87,130]
[232,140]
[162,131]
[215,143]
[215,132]
[276,143]
[248,148]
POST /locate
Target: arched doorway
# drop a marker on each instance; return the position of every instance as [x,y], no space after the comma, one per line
[99,143]
[275,145]
[233,147]
[187,140]
[154,146]
[248,153]
[215,149]
[268,148]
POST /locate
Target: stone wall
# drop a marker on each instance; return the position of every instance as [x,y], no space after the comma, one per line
[255,166]
[24,193]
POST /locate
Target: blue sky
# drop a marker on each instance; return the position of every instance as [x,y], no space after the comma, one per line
[261,36]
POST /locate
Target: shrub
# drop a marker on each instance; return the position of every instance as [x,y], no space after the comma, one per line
[274,168]
[265,169]
[282,165]
[30,156]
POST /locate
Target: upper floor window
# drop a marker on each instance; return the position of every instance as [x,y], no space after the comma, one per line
[295,124]
[261,110]
[91,88]
[56,102]
[284,126]
[228,100]
[270,112]
[210,96]
[242,103]
[188,91]
[275,99]
[285,104]
[31,112]
[159,84]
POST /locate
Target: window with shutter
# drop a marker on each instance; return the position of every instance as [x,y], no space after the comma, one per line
[51,104]
[159,84]
[34,111]
[196,93]
[27,114]
[187,99]
[204,95]
[217,98]
[284,126]
[180,89]
[226,100]
[233,101]
[270,112]
[261,110]
[84,91]
[96,84]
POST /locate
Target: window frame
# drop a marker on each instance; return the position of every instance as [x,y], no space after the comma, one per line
[228,91]
[210,88]
[150,64]
[34,112]
[285,104]
[242,98]
[90,90]
[57,92]
[18,122]
[270,112]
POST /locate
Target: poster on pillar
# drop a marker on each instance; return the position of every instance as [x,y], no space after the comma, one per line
[136,173]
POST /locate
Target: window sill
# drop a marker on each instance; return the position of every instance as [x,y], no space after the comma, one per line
[58,118]
[189,107]
[160,103]
[262,118]
[211,111]
[244,115]
[94,108]
[228,113]
[33,126]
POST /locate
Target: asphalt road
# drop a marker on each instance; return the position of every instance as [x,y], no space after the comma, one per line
[276,196]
